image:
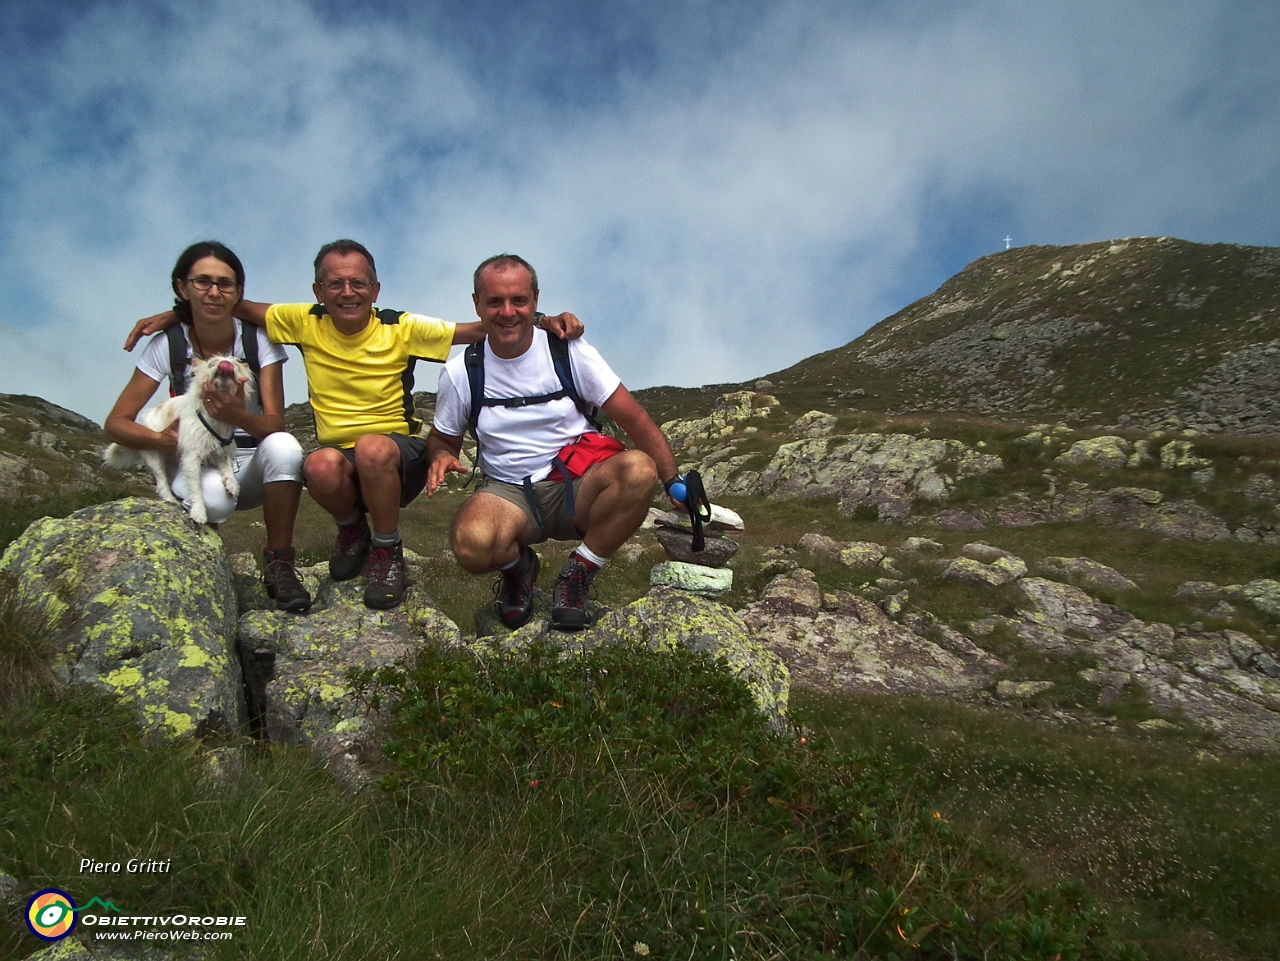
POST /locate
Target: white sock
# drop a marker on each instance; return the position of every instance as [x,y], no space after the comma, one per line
[386,540]
[587,554]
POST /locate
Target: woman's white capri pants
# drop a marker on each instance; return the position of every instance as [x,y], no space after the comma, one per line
[278,457]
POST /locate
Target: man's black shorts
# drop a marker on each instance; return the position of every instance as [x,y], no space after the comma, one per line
[413,467]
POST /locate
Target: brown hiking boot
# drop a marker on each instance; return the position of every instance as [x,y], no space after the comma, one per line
[515,590]
[569,598]
[350,550]
[283,585]
[385,581]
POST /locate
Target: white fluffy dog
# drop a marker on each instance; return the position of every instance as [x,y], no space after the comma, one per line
[201,439]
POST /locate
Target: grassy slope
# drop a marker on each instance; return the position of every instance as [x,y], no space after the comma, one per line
[1166,311]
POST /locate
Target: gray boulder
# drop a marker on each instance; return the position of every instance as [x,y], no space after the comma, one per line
[146,603]
[887,471]
[678,546]
[1003,570]
[844,643]
[1223,683]
[1086,573]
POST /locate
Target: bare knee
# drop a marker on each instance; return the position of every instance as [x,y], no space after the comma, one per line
[472,544]
[637,473]
[377,453]
[326,469]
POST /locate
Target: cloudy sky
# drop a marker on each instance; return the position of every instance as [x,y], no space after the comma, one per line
[717,189]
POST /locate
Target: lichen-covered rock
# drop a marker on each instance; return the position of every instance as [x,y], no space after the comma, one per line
[861,554]
[731,412]
[1132,508]
[707,581]
[887,471]
[8,887]
[1021,690]
[1181,454]
[1003,570]
[1085,572]
[1199,590]
[814,424]
[296,666]
[1225,683]
[1141,455]
[1264,594]
[1105,453]
[820,544]
[851,645]
[147,604]
[661,621]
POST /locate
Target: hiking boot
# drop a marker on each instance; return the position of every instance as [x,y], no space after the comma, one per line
[515,589]
[350,550]
[385,581]
[569,599]
[281,579]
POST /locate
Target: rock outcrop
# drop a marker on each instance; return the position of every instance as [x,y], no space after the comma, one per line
[146,605]
[845,643]
[1223,682]
[296,667]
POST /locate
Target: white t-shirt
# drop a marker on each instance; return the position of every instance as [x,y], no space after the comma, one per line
[154,361]
[519,442]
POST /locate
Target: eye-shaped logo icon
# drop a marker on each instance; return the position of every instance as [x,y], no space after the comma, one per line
[51,914]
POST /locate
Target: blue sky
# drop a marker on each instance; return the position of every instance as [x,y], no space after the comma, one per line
[718,190]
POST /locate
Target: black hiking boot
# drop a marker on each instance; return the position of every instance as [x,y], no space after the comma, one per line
[385,581]
[350,550]
[569,600]
[515,589]
[281,579]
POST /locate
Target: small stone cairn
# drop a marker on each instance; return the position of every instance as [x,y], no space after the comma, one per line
[702,572]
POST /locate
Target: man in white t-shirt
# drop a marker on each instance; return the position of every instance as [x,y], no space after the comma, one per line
[526,420]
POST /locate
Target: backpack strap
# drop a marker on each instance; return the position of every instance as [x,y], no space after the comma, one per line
[564,370]
[473,358]
[178,358]
[249,344]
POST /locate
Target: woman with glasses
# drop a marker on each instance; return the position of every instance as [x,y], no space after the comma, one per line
[208,280]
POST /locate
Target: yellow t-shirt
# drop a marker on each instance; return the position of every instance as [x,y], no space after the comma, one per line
[362,383]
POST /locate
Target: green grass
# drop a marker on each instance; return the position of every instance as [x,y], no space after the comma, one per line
[1182,844]
[648,806]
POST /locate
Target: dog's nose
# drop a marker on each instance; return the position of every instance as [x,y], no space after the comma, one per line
[226,368]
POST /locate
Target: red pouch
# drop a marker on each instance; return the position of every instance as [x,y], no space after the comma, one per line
[584,453]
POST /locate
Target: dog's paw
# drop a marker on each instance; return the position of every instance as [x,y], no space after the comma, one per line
[232,487]
[198,515]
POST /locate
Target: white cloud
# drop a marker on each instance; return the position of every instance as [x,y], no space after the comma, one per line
[741,204]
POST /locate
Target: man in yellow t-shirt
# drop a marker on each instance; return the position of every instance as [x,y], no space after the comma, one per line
[359,365]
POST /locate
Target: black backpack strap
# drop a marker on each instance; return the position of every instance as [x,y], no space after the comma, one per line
[249,344]
[473,358]
[388,316]
[178,359]
[564,371]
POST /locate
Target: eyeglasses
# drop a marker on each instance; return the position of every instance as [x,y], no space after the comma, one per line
[338,286]
[203,284]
